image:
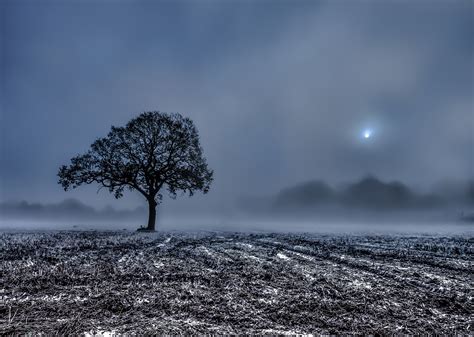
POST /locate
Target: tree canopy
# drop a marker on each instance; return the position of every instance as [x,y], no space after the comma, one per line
[153,151]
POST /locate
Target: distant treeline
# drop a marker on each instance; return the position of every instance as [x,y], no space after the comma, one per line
[67,209]
[369,193]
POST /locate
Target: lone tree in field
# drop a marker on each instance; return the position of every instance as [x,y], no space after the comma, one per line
[153,151]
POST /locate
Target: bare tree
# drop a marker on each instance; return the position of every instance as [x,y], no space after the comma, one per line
[153,151]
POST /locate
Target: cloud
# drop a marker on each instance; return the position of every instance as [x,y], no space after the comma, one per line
[279,92]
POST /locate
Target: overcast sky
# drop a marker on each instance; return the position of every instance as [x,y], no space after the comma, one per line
[281,91]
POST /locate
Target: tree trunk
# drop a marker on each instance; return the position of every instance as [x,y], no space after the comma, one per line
[151,215]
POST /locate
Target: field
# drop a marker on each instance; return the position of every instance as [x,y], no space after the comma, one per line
[212,282]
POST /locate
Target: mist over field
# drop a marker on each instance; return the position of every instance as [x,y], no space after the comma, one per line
[367,205]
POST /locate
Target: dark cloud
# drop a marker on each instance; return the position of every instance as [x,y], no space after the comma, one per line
[280,91]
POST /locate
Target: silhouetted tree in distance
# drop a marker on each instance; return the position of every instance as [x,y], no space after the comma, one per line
[373,193]
[153,151]
[307,195]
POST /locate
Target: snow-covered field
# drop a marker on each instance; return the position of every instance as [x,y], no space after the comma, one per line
[215,282]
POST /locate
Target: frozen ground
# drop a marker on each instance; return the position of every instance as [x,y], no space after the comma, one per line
[122,282]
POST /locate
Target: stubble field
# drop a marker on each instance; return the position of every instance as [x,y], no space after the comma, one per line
[212,282]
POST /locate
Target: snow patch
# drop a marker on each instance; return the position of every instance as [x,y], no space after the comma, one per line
[248,245]
[360,284]
[282,256]
[103,333]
